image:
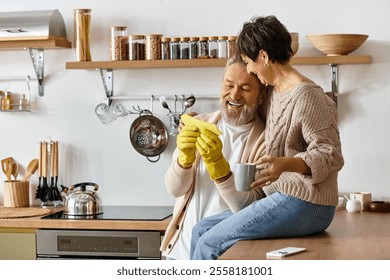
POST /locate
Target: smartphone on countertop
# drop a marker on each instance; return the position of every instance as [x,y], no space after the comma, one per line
[284,252]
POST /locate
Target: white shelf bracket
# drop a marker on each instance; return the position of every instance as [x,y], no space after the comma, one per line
[335,82]
[107,76]
[38,64]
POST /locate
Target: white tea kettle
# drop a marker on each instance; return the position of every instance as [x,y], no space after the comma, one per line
[83,202]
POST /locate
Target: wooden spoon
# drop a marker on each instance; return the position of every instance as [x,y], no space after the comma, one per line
[31,168]
[15,170]
[6,165]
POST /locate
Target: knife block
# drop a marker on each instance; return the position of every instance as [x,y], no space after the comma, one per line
[16,193]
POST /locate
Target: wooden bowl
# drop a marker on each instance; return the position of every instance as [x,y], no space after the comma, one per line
[337,44]
[294,42]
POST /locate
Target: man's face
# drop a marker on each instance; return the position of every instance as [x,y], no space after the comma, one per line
[239,95]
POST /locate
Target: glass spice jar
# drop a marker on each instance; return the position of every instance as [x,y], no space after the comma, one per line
[82,23]
[136,47]
[184,48]
[193,47]
[213,46]
[165,48]
[222,46]
[153,47]
[119,45]
[203,50]
[231,46]
[175,48]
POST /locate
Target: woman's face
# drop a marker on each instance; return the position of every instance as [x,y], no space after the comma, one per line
[239,95]
[257,67]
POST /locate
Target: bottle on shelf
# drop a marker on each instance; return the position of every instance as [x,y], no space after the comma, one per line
[23,105]
[6,103]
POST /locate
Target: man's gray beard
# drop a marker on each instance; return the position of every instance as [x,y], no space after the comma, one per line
[246,116]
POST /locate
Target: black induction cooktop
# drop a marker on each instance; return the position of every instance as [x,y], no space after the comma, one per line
[148,213]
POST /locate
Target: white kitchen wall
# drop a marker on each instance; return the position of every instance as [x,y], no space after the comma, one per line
[92,151]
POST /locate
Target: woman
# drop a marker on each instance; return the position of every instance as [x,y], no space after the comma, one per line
[303,151]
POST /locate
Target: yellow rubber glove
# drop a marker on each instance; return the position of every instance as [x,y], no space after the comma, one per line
[209,147]
[186,140]
[201,125]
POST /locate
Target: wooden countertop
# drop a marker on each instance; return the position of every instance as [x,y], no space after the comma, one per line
[351,236]
[37,222]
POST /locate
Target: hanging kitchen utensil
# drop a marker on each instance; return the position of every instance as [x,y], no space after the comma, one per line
[164,103]
[38,193]
[15,170]
[148,135]
[51,191]
[189,102]
[6,165]
[31,168]
[83,202]
[57,194]
[45,187]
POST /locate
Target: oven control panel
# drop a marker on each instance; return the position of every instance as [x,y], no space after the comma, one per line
[97,244]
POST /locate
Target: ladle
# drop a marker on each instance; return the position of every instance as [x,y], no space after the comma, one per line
[165,104]
[31,168]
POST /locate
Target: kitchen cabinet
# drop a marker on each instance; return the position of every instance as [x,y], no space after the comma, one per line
[17,244]
[35,47]
[106,67]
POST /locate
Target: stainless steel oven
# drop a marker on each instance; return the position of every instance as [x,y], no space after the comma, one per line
[104,244]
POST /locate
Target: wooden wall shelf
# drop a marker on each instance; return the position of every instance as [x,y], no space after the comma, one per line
[35,46]
[34,43]
[187,63]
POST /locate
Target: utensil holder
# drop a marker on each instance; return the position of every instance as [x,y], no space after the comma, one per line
[16,193]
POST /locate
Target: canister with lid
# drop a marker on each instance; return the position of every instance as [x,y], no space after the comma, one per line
[153,47]
[136,47]
[184,48]
[165,48]
[193,47]
[222,46]
[203,50]
[231,45]
[119,45]
[213,46]
[175,48]
[6,103]
[82,24]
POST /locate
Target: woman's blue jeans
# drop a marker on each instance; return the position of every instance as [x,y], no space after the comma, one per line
[274,216]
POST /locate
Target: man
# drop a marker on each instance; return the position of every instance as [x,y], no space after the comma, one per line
[202,157]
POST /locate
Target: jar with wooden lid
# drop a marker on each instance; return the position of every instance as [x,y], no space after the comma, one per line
[231,46]
[213,46]
[119,43]
[222,46]
[165,48]
[153,47]
[82,25]
[203,50]
[175,48]
[184,47]
[6,102]
[193,47]
[136,47]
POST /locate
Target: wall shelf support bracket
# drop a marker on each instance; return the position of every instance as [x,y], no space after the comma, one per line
[38,64]
[107,76]
[335,81]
